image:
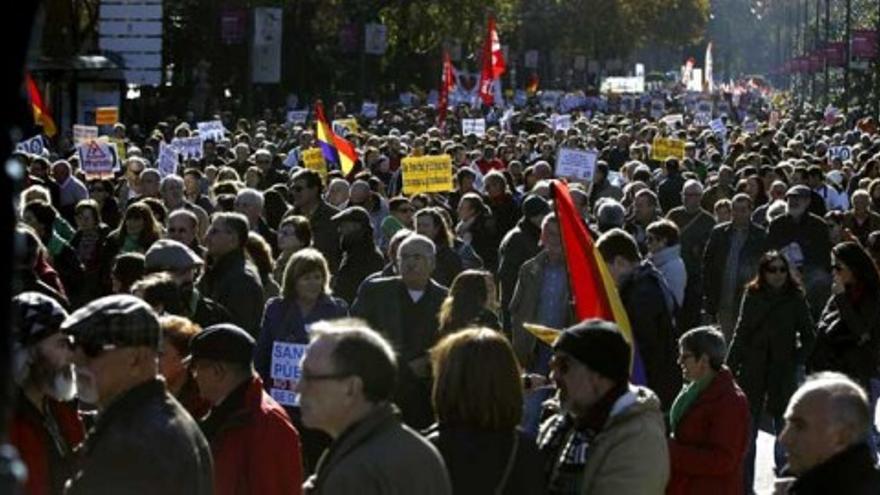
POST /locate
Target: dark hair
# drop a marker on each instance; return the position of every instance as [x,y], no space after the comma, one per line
[477,381]
[128,268]
[160,289]
[311,178]
[90,205]
[444,233]
[237,223]
[150,232]
[45,214]
[362,352]
[705,341]
[160,213]
[665,230]
[301,227]
[466,300]
[259,251]
[759,282]
[860,264]
[301,263]
[617,242]
[396,202]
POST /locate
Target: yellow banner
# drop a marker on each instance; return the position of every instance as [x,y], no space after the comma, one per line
[314,160]
[106,115]
[663,148]
[426,174]
[350,126]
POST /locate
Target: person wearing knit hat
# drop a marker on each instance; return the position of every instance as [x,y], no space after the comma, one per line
[44,429]
[617,429]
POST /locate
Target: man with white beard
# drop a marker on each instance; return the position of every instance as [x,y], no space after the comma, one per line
[45,428]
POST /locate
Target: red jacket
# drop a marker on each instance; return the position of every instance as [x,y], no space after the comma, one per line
[256,448]
[29,436]
[708,450]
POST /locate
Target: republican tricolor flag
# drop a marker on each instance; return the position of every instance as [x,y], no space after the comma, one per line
[335,149]
[42,116]
[592,287]
[493,63]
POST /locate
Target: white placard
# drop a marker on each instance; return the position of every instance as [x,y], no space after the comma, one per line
[560,122]
[576,164]
[370,110]
[213,129]
[750,126]
[33,145]
[190,148]
[718,127]
[702,119]
[842,152]
[84,133]
[297,116]
[168,160]
[673,120]
[97,158]
[286,372]
[473,126]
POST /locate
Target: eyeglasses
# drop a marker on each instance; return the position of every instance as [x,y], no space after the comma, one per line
[776,269]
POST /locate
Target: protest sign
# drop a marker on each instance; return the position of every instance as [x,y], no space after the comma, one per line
[292,158]
[33,145]
[426,174]
[97,159]
[190,148]
[106,115]
[168,160]
[673,120]
[286,372]
[702,119]
[473,126]
[560,122]
[344,127]
[550,99]
[120,147]
[370,110]
[297,116]
[84,133]
[520,98]
[213,129]
[663,148]
[844,153]
[750,126]
[576,164]
[718,127]
[313,159]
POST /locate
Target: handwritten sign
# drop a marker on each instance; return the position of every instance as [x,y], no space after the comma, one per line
[427,174]
[576,164]
[286,372]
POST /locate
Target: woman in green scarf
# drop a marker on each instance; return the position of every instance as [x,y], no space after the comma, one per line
[708,422]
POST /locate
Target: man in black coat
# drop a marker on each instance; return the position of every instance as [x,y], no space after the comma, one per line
[306,191]
[360,257]
[231,279]
[143,442]
[404,309]
[826,439]
[649,305]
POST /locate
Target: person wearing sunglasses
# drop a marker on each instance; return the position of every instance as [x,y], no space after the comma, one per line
[306,188]
[45,426]
[143,441]
[771,342]
[609,435]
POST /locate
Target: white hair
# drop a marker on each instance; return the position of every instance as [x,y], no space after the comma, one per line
[418,239]
[251,196]
[692,184]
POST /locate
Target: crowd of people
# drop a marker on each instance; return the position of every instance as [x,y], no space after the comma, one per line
[249,324]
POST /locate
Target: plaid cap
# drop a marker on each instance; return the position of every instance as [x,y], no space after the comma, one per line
[35,317]
[119,320]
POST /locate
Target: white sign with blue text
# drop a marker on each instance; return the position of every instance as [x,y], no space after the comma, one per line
[286,372]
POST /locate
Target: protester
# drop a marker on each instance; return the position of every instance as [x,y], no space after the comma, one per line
[348,378]
[143,440]
[360,256]
[469,303]
[294,233]
[177,332]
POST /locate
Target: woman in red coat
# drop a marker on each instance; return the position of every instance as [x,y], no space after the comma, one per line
[709,420]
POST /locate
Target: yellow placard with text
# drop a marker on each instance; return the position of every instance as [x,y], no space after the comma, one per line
[427,174]
[663,148]
[313,159]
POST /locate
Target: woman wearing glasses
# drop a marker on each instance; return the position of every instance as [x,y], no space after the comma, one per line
[772,338]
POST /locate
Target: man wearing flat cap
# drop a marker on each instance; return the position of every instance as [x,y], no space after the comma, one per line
[143,441]
[609,437]
[256,449]
[360,256]
[44,428]
[183,264]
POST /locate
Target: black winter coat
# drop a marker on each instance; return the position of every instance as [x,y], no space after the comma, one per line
[851,472]
[848,338]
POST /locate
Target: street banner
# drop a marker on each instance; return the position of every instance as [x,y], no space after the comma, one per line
[427,174]
[663,148]
[575,164]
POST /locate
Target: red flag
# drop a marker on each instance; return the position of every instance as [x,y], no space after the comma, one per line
[41,113]
[493,63]
[447,84]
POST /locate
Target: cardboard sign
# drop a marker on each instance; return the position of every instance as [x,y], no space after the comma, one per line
[98,159]
[427,174]
[84,133]
[168,160]
[286,372]
[560,122]
[576,164]
[212,129]
[344,127]
[842,152]
[297,116]
[106,115]
[473,126]
[663,148]
[191,148]
[313,159]
[370,110]
[33,145]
